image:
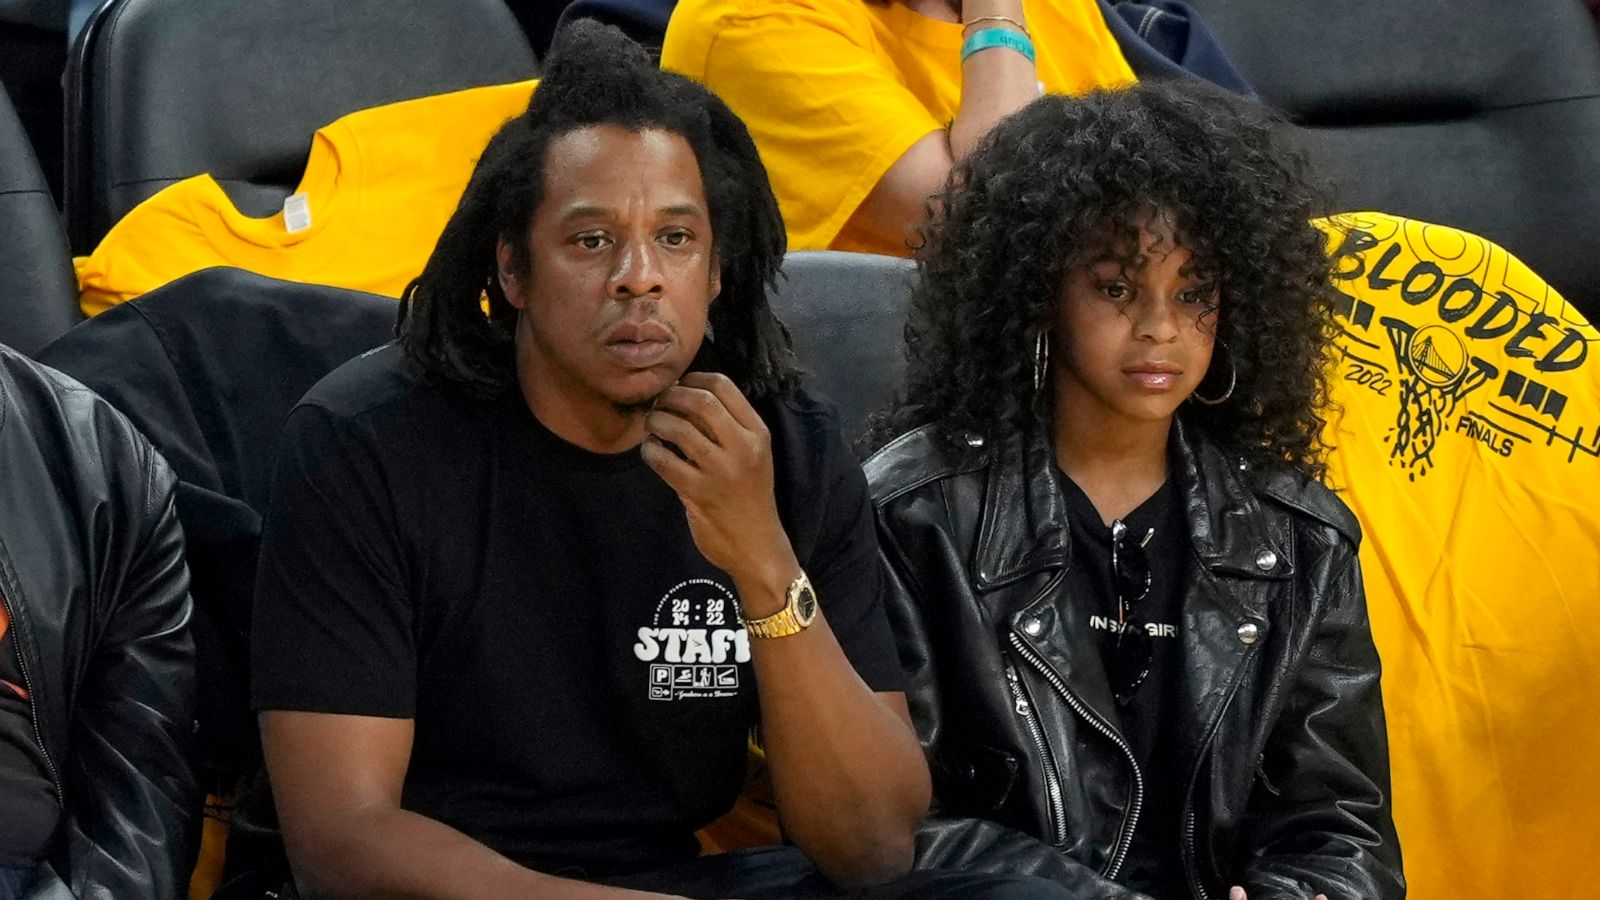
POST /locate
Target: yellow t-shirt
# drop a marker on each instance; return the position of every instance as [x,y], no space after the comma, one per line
[834,91]
[380,185]
[1469,448]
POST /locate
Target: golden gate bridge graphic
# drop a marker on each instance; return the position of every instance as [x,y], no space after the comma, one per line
[1431,365]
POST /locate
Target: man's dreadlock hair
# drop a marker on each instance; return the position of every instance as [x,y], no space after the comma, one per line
[597,76]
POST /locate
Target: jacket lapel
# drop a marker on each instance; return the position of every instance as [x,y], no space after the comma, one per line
[1238,563]
[1023,526]
[1024,537]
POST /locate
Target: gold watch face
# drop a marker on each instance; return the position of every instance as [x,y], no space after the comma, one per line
[805,604]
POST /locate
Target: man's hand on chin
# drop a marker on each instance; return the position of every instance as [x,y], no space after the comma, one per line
[723,474]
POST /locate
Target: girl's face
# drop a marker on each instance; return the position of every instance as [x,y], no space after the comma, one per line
[1134,330]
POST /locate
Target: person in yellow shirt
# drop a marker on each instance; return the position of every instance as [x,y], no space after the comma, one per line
[860,108]
[379,185]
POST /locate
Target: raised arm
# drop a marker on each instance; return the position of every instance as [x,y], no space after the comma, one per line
[840,132]
[994,83]
[847,773]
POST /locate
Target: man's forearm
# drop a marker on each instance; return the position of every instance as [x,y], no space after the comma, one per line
[847,771]
[396,853]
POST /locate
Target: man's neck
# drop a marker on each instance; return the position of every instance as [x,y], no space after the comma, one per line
[577,416]
[1117,463]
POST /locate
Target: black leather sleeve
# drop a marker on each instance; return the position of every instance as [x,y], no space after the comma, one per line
[978,845]
[935,618]
[1319,820]
[132,800]
[905,620]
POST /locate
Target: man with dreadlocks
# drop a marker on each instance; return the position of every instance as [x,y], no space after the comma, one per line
[494,657]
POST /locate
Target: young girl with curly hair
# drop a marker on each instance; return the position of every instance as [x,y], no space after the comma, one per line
[1131,615]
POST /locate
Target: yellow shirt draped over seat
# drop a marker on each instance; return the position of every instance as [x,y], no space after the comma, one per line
[379,185]
[1469,447]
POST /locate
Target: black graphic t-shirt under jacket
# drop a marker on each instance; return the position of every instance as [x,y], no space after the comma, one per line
[1154,866]
[579,680]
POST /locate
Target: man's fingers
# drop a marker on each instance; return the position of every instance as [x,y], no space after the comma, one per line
[674,428]
[702,409]
[733,400]
[678,474]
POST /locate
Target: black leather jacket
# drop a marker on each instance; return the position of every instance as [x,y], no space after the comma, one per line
[92,573]
[1280,724]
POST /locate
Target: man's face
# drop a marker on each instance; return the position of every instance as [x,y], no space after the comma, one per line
[621,273]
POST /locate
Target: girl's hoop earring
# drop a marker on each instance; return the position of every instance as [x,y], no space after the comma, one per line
[1041,359]
[1233,381]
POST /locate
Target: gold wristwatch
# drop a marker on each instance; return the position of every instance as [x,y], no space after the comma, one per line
[796,616]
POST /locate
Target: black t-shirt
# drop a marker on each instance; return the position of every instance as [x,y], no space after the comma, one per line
[578,677]
[1154,864]
[26,793]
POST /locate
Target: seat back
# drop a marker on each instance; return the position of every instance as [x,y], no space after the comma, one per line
[847,312]
[38,294]
[1482,115]
[162,90]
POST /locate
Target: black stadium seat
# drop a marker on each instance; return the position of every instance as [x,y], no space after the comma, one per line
[38,294]
[847,312]
[161,90]
[1479,114]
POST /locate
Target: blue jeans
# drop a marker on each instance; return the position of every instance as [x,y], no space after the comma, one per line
[784,873]
[14,882]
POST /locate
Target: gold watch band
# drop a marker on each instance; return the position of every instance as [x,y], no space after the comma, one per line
[780,624]
[799,611]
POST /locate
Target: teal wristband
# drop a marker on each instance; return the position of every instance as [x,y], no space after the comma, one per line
[996,37]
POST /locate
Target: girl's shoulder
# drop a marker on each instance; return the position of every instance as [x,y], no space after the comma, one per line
[921,457]
[1306,501]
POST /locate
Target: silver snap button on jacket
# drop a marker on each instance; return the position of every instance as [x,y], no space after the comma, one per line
[1249,633]
[1033,627]
[1265,560]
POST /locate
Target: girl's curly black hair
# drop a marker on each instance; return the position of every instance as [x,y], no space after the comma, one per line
[1051,187]
[596,75]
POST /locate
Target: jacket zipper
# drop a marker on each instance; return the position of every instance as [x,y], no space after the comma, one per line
[33,708]
[1057,805]
[1188,838]
[1119,850]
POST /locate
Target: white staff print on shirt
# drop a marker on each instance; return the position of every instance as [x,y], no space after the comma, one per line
[695,643]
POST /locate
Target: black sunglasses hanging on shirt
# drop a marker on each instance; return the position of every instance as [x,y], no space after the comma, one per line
[1130,568]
